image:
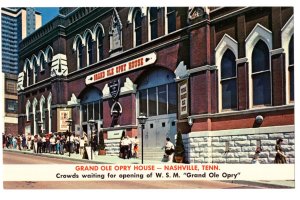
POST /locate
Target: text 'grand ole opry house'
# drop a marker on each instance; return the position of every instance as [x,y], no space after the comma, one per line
[223,76]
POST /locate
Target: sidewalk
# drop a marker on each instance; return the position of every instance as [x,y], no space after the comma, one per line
[284,184]
[106,159]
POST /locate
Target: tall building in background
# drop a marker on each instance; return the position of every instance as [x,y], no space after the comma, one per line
[16,24]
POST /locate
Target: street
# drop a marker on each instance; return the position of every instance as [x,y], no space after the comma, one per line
[17,158]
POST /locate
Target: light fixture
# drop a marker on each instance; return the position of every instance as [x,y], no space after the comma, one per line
[190,121]
[259,119]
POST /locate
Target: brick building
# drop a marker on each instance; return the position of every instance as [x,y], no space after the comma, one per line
[222,76]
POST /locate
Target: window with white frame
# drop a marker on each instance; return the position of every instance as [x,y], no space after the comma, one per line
[261,74]
[228,81]
[100,45]
[291,68]
[89,50]
[153,13]
[79,48]
[35,71]
[138,27]
[171,19]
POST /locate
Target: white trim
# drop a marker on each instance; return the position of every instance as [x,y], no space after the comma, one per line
[286,34]
[131,12]
[48,50]
[98,28]
[87,49]
[77,37]
[244,131]
[258,33]
[226,42]
[42,103]
[34,68]
[34,103]
[27,110]
[133,25]
[49,100]
[149,23]
[39,63]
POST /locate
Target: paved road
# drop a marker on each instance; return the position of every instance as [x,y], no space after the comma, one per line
[16,158]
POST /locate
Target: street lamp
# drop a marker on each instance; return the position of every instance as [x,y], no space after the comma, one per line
[69,121]
[142,120]
[91,123]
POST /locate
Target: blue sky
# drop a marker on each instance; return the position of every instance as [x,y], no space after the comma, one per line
[48,13]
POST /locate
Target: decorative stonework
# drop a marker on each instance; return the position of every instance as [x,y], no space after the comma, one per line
[242,147]
[115,33]
[74,100]
[20,81]
[59,65]
[181,71]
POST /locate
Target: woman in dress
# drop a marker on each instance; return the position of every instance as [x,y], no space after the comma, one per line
[280,158]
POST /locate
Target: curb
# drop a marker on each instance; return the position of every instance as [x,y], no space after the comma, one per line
[62,158]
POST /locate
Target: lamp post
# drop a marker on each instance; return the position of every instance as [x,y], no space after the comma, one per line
[69,121]
[142,120]
[91,123]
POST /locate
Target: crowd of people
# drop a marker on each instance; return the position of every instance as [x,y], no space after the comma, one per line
[54,143]
[129,147]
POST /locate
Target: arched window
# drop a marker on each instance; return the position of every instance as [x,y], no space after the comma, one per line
[171,19]
[157,93]
[28,110]
[228,81]
[138,27]
[100,45]
[261,76]
[35,71]
[79,54]
[153,23]
[28,72]
[49,56]
[291,68]
[42,62]
[89,50]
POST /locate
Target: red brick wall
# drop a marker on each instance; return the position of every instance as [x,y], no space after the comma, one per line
[11,128]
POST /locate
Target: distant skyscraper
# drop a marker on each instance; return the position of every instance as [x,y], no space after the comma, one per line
[17,23]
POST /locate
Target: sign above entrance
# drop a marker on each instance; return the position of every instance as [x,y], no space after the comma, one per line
[122,68]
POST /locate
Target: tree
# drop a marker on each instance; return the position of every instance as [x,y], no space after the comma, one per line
[101,141]
[179,147]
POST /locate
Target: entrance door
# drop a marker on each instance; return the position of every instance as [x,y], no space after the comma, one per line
[158,128]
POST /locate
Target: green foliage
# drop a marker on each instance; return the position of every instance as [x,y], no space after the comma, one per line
[179,147]
[101,141]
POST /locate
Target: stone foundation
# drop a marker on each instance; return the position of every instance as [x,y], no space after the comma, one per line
[239,145]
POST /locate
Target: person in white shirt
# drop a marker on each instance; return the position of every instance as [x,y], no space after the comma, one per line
[169,150]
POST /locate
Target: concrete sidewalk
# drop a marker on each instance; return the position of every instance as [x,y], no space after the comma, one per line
[283,184]
[106,159]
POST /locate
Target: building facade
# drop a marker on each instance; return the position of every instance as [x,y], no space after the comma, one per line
[222,76]
[16,24]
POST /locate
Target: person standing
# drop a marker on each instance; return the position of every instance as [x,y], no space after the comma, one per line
[35,144]
[52,143]
[280,158]
[28,141]
[44,144]
[19,140]
[169,150]
[81,146]
[57,143]
[24,142]
[14,141]
[136,147]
